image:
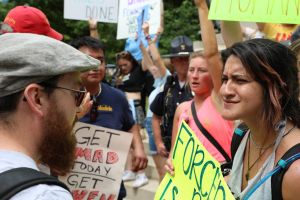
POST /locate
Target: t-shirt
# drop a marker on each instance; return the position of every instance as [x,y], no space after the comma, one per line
[158,83]
[12,159]
[278,32]
[113,110]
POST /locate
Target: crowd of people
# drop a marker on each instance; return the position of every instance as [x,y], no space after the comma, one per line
[242,102]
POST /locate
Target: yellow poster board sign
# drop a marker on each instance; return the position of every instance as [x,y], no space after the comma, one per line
[197,173]
[272,11]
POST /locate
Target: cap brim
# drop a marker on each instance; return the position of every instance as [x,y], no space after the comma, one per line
[183,54]
[54,34]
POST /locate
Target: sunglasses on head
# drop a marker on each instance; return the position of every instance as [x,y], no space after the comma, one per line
[78,94]
[122,54]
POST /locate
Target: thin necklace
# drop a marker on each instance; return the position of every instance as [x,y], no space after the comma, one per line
[257,146]
[247,175]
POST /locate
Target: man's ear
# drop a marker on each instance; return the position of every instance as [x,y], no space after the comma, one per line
[36,98]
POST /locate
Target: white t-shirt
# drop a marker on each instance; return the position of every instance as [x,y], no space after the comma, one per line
[12,159]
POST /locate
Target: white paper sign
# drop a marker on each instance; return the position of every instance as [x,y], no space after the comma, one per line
[129,10]
[100,161]
[100,10]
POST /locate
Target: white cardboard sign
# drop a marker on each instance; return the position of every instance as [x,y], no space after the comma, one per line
[129,10]
[101,155]
[100,10]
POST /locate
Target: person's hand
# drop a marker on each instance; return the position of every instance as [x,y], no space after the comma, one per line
[85,106]
[146,28]
[140,160]
[160,30]
[169,166]
[92,24]
[162,150]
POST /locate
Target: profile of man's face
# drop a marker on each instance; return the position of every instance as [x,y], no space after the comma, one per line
[59,143]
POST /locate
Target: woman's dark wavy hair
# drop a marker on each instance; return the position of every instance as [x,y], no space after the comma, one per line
[274,67]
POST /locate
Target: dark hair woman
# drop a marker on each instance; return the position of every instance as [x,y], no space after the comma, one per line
[260,87]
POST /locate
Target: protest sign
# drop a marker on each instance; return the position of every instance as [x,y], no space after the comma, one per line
[100,10]
[128,16]
[100,160]
[272,11]
[197,174]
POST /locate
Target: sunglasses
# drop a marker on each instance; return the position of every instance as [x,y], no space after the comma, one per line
[122,54]
[94,110]
[78,94]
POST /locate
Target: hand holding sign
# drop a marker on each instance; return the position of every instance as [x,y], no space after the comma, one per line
[169,166]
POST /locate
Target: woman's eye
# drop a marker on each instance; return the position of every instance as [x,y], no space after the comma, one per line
[241,81]
[224,79]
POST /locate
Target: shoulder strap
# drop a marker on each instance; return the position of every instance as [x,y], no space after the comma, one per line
[18,179]
[276,180]
[208,135]
[238,135]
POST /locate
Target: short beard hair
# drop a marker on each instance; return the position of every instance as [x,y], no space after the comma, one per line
[58,146]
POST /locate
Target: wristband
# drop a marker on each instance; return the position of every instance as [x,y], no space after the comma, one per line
[148,37]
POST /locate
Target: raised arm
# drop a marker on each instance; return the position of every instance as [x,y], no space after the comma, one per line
[210,45]
[157,61]
[93,29]
[231,32]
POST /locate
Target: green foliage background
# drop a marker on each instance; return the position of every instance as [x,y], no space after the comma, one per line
[180,18]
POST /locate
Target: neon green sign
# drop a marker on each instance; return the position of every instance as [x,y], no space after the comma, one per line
[197,174]
[272,11]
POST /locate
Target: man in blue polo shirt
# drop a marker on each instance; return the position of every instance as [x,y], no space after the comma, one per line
[110,108]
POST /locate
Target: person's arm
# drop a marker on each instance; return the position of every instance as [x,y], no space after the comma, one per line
[210,45]
[231,32]
[146,61]
[93,29]
[158,62]
[161,148]
[140,160]
[290,190]
[169,165]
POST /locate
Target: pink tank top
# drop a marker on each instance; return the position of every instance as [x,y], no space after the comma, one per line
[213,122]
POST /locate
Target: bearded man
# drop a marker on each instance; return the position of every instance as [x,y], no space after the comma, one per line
[40,94]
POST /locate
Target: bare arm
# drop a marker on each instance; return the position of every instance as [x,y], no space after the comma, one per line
[93,29]
[156,120]
[140,159]
[231,32]
[169,165]
[210,45]
[157,61]
[146,61]
[290,190]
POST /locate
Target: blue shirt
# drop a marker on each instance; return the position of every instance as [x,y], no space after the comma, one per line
[113,110]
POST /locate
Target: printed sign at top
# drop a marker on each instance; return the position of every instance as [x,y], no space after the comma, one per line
[197,174]
[100,10]
[129,10]
[271,11]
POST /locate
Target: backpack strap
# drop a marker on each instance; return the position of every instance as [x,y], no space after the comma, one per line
[238,135]
[276,180]
[208,135]
[18,179]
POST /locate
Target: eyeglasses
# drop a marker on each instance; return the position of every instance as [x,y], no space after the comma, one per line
[94,110]
[79,94]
